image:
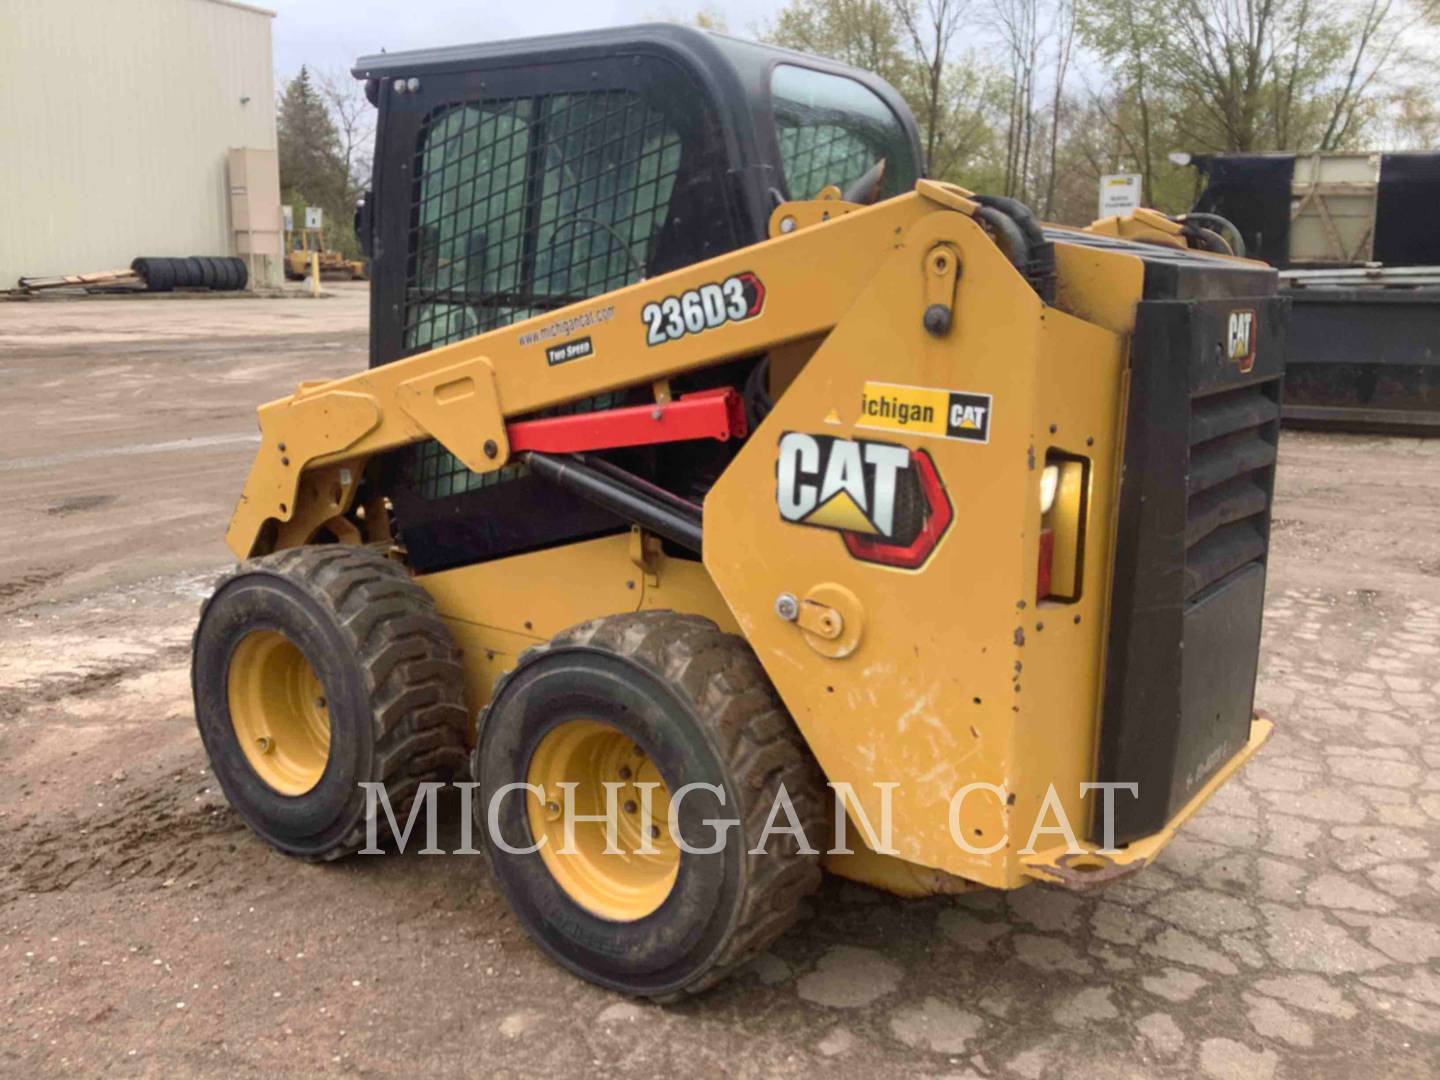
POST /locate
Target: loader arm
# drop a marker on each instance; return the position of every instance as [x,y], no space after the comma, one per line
[314,443]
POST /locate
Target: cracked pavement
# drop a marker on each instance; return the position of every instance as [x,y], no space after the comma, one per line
[1292,930]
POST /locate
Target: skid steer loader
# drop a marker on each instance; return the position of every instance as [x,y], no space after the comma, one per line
[719,485]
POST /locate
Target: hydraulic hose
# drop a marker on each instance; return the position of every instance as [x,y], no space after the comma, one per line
[1039,266]
[622,497]
[1209,239]
[1226,227]
[641,485]
[1012,240]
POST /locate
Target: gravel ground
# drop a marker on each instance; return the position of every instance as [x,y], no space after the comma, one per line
[1293,930]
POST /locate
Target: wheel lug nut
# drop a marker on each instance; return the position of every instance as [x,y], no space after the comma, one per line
[624,772]
[655,832]
[630,807]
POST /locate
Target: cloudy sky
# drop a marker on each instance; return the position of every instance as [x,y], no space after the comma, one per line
[330,34]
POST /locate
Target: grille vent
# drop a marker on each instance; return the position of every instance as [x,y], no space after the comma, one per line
[1232,466]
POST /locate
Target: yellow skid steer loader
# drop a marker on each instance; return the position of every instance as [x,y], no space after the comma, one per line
[724,502]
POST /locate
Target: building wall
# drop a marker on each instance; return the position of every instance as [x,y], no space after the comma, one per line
[116,117]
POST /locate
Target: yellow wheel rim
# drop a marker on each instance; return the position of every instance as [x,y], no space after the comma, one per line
[622,887]
[279,711]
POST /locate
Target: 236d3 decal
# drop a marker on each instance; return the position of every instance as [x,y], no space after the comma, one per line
[886,501]
[737,298]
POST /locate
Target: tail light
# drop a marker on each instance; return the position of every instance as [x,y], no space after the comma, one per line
[1047,561]
[1064,491]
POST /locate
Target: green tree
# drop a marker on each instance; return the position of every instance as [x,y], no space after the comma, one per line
[711,17]
[947,92]
[310,163]
[1415,119]
[990,83]
[862,33]
[910,44]
[315,165]
[1245,75]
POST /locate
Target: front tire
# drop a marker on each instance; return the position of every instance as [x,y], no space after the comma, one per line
[318,669]
[671,698]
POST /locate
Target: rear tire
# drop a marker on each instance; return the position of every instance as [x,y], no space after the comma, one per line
[696,702]
[315,670]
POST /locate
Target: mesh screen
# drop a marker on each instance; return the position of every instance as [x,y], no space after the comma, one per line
[819,154]
[528,204]
[521,206]
[832,129]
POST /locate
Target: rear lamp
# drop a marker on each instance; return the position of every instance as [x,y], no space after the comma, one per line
[1064,488]
[1049,481]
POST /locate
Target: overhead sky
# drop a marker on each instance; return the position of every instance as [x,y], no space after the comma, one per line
[329,34]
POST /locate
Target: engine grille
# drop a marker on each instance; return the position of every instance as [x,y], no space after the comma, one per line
[1232,464]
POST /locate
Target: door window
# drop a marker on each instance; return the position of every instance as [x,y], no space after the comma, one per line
[832,129]
[528,204]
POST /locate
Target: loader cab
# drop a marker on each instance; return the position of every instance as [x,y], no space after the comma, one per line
[519,177]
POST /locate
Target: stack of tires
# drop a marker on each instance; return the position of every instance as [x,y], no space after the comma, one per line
[222,273]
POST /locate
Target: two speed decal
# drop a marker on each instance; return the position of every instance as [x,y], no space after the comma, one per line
[712,305]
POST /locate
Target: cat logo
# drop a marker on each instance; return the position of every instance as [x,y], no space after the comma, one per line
[968,417]
[1241,350]
[886,501]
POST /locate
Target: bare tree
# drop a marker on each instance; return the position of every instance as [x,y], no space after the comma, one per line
[1064,46]
[930,26]
[1376,41]
[913,44]
[1018,24]
[1413,119]
[1279,74]
[354,121]
[1139,42]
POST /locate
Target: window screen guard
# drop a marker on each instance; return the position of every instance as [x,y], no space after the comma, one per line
[523,205]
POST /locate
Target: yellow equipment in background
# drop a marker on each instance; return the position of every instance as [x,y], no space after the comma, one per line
[304,246]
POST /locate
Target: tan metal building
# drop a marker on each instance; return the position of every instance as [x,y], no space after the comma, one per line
[118,119]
